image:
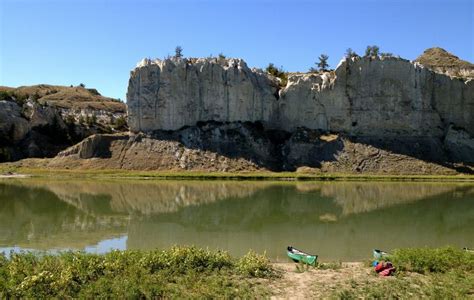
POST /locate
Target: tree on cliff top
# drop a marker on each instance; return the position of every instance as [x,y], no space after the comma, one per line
[371,51]
[350,53]
[178,52]
[277,72]
[322,65]
[323,62]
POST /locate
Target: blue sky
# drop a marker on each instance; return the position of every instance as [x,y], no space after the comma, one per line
[98,42]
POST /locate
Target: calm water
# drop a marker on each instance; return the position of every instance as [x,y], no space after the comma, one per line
[338,220]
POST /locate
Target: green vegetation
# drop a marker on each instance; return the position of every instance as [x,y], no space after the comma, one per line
[38,168]
[453,285]
[63,97]
[277,72]
[443,273]
[350,53]
[12,96]
[372,51]
[322,65]
[440,58]
[426,260]
[323,62]
[5,95]
[120,123]
[254,265]
[178,52]
[386,54]
[91,120]
[180,272]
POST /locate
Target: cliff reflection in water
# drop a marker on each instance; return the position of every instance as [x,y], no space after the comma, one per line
[339,220]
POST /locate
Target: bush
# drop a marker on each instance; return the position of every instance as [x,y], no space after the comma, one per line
[350,53]
[178,52]
[69,120]
[91,120]
[120,123]
[254,265]
[5,95]
[179,272]
[277,72]
[423,260]
[372,51]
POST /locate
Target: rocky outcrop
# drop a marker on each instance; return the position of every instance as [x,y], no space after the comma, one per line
[443,62]
[13,127]
[375,105]
[372,96]
[385,97]
[173,93]
[240,147]
[34,122]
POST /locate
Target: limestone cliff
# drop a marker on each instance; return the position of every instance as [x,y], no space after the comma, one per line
[382,115]
[172,93]
[372,96]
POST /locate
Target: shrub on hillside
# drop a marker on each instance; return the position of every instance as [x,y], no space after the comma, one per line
[179,272]
[424,260]
[254,265]
[277,72]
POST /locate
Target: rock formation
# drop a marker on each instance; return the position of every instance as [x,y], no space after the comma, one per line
[441,61]
[41,120]
[170,94]
[370,96]
[370,115]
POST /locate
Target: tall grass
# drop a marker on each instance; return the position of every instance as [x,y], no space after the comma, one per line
[440,260]
[180,272]
[442,273]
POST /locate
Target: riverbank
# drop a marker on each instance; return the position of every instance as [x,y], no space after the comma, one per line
[183,272]
[34,168]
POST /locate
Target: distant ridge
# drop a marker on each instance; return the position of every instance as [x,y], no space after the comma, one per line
[69,97]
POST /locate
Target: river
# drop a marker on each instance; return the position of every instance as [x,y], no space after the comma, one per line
[339,221]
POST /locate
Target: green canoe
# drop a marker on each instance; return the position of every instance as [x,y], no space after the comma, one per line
[300,256]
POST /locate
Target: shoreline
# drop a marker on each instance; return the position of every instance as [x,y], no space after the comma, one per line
[420,273]
[12,171]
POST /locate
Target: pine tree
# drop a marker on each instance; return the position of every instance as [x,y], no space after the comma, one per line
[178,52]
[350,53]
[323,62]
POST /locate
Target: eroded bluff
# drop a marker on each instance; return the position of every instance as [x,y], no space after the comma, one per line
[370,115]
[381,97]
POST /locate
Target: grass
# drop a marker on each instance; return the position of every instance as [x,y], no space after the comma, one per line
[427,260]
[438,57]
[451,285]
[66,97]
[258,175]
[180,272]
[442,273]
[189,272]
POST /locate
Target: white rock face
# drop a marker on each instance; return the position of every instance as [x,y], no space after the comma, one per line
[170,94]
[362,97]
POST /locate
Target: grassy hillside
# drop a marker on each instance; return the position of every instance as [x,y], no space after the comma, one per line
[66,97]
[440,58]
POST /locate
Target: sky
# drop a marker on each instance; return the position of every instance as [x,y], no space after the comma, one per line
[98,42]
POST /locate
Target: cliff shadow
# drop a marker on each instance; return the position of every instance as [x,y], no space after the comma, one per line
[278,150]
[275,150]
[429,150]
